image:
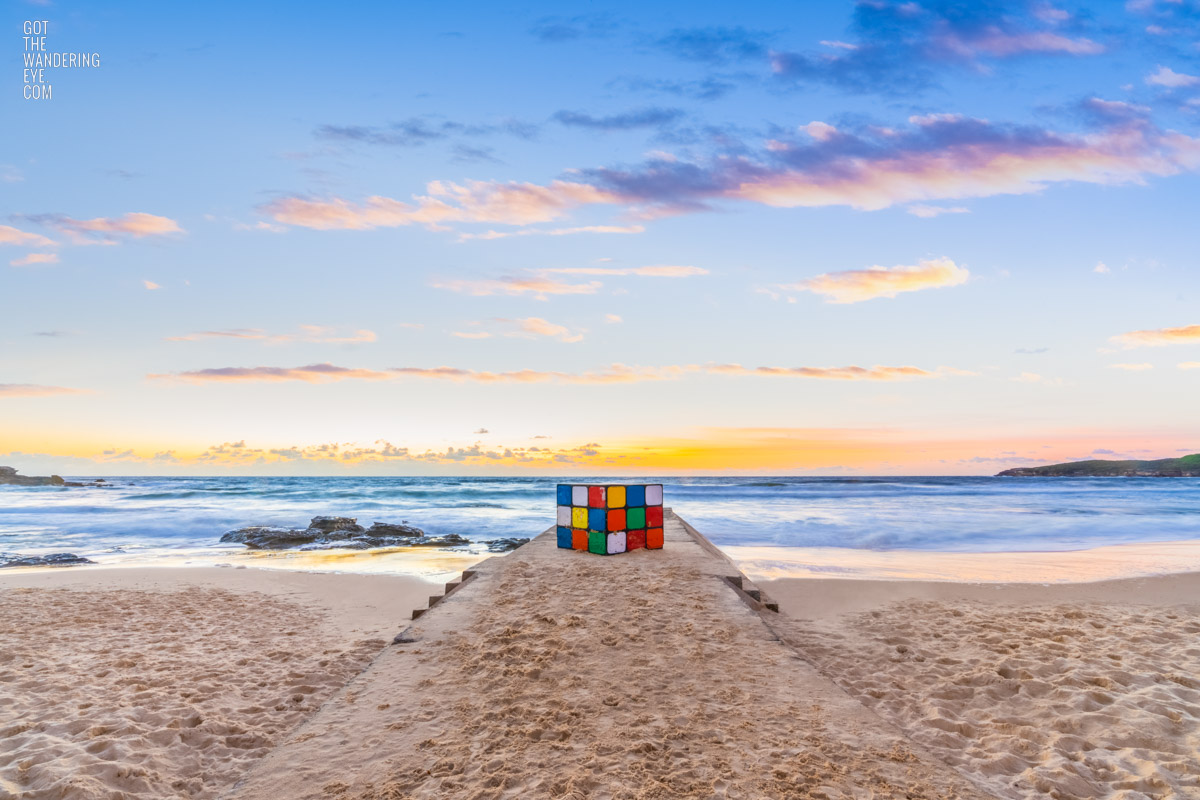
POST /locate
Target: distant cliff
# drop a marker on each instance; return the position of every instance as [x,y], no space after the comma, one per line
[1186,467]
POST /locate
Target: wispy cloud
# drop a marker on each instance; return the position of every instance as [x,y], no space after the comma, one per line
[107,230]
[715,44]
[539,287]
[1187,334]
[15,236]
[902,46]
[936,157]
[531,327]
[613,373]
[487,235]
[151,285]
[852,373]
[1131,367]
[34,390]
[654,271]
[35,258]
[320,373]
[1189,365]
[855,286]
[445,202]
[628,120]
[1170,79]
[927,212]
[318,334]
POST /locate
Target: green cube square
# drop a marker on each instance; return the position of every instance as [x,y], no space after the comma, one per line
[635,518]
[598,542]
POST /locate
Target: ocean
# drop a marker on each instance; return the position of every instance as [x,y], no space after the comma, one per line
[148,520]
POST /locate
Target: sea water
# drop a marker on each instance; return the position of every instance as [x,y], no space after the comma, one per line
[147,518]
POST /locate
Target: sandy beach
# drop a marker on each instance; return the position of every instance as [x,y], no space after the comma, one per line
[1088,690]
[207,682]
[171,682]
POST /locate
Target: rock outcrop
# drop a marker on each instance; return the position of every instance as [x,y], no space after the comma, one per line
[9,477]
[504,545]
[324,533]
[52,560]
[1186,467]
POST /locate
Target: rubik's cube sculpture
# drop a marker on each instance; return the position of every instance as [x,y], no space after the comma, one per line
[610,519]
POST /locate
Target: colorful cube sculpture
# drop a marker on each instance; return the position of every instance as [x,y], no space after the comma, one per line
[610,519]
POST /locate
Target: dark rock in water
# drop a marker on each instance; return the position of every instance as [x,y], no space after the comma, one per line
[504,545]
[9,476]
[335,525]
[52,560]
[392,529]
[324,533]
[446,540]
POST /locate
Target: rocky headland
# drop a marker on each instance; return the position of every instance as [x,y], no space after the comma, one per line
[1186,467]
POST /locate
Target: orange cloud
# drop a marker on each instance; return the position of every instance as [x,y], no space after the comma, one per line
[536,326]
[1188,334]
[855,286]
[510,203]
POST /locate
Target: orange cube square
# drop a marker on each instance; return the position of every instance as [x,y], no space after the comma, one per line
[654,538]
[616,519]
[579,539]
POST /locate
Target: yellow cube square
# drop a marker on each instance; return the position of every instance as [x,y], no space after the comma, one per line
[616,497]
[579,517]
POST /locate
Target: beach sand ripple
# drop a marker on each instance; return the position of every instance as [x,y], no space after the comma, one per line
[1077,700]
[150,694]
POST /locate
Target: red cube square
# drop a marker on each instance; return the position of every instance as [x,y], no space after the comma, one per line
[634,540]
[596,498]
[654,538]
[654,516]
[616,519]
[579,539]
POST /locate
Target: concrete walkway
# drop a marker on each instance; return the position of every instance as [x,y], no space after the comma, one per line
[559,674]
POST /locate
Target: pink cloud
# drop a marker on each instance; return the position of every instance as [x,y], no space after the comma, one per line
[510,203]
[35,258]
[539,287]
[852,373]
[11,235]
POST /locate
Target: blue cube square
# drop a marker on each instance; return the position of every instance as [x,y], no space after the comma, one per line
[564,494]
[564,537]
[597,519]
[635,496]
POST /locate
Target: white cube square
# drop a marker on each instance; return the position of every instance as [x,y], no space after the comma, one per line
[564,516]
[616,542]
[579,496]
[654,495]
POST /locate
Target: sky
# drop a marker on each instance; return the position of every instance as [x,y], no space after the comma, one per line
[620,238]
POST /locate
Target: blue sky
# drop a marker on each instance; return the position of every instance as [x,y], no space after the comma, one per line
[932,238]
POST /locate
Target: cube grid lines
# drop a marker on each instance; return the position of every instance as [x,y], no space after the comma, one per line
[611,519]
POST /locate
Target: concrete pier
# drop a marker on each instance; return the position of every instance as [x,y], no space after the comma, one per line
[560,674]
